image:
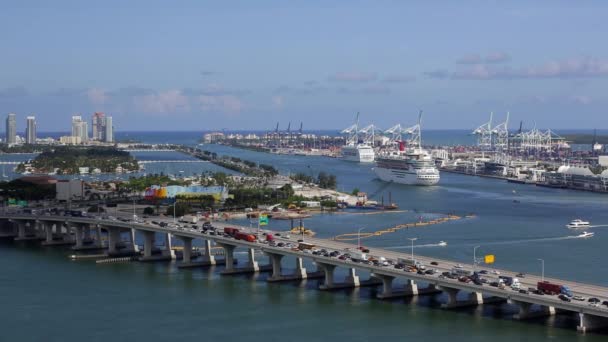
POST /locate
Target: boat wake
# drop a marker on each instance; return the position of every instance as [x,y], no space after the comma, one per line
[418,246]
[513,242]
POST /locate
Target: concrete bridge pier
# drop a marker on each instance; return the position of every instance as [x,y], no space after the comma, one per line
[252,266]
[351,279]
[207,259]
[187,251]
[48,229]
[168,251]
[411,288]
[79,235]
[228,258]
[98,240]
[25,231]
[526,312]
[207,256]
[589,322]
[113,240]
[475,298]
[298,274]
[148,243]
[132,245]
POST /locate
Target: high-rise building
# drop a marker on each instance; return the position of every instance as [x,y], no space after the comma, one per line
[79,128]
[99,123]
[30,130]
[109,130]
[11,129]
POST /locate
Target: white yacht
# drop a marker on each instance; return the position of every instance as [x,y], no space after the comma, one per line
[409,164]
[585,235]
[578,223]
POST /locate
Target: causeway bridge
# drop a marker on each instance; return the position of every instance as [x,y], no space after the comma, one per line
[89,233]
[172,161]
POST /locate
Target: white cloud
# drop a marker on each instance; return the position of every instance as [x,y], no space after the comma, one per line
[165,102]
[580,99]
[567,69]
[497,57]
[228,104]
[399,79]
[473,58]
[97,96]
[353,77]
[277,101]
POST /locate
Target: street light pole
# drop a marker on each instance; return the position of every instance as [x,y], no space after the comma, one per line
[542,263]
[475,257]
[359,238]
[412,240]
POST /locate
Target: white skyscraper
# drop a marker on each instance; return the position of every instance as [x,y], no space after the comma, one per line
[11,129]
[30,130]
[109,130]
[80,128]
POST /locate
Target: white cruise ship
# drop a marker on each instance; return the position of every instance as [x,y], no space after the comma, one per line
[362,153]
[356,149]
[409,164]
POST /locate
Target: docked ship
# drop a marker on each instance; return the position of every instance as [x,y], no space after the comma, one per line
[361,152]
[409,164]
[357,149]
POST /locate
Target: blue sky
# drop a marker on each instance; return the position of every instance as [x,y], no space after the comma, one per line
[199,65]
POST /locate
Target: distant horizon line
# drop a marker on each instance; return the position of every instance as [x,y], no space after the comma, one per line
[304,131]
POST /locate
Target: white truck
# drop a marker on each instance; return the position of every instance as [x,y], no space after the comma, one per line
[358,256]
[411,263]
[188,219]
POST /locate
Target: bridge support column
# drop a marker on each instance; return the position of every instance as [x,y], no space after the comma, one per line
[207,256]
[187,251]
[79,237]
[328,269]
[298,274]
[410,289]
[475,298]
[148,244]
[168,252]
[352,278]
[252,264]
[589,322]
[526,312]
[113,239]
[132,245]
[48,228]
[229,258]
[98,240]
[275,261]
[21,231]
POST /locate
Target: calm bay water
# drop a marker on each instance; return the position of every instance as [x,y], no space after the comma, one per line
[45,296]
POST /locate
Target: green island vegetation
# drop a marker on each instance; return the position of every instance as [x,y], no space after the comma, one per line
[67,159]
[22,190]
[323,180]
[245,167]
[25,148]
[586,138]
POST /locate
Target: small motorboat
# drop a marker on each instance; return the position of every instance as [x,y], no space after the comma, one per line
[585,235]
[442,243]
[578,223]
